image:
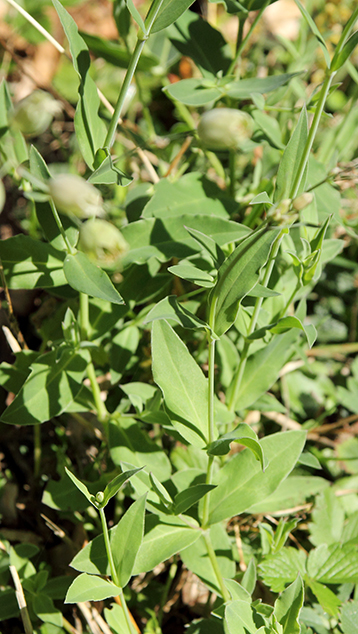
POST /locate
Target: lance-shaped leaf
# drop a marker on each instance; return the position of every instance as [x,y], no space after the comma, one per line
[126,540]
[209,245]
[237,276]
[170,308]
[90,129]
[114,485]
[244,435]
[81,487]
[192,274]
[291,160]
[239,619]
[184,386]
[281,326]
[84,276]
[169,11]
[288,607]
[90,588]
[347,50]
[185,499]
[241,481]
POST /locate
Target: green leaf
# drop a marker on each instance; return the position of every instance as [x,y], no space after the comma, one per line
[126,541]
[261,199]
[243,88]
[44,608]
[81,487]
[327,519]
[184,500]
[122,18]
[161,491]
[209,245]
[241,483]
[194,92]
[249,578]
[50,389]
[315,31]
[135,14]
[163,538]
[129,443]
[116,54]
[288,607]
[84,276]
[170,309]
[239,619]
[281,568]
[335,563]
[107,173]
[29,263]
[182,382]
[290,161]
[349,617]
[284,325]
[293,491]
[263,367]
[38,166]
[270,128]
[197,39]
[165,238]
[192,274]
[170,10]
[244,435]
[237,276]
[193,194]
[90,588]
[114,485]
[327,599]
[90,129]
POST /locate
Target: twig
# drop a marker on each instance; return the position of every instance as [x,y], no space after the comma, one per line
[177,158]
[94,628]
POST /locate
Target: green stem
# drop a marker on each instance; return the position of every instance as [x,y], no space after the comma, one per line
[214,562]
[311,135]
[241,42]
[211,425]
[232,172]
[127,617]
[234,392]
[114,575]
[70,250]
[133,63]
[102,411]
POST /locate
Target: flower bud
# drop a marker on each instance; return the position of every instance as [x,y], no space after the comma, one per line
[225,128]
[33,114]
[73,195]
[302,201]
[102,242]
[99,497]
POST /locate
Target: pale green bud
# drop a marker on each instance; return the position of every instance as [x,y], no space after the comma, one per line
[72,194]
[99,497]
[225,128]
[33,114]
[302,201]
[102,242]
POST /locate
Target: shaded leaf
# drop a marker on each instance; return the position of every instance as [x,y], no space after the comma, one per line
[90,588]
[84,276]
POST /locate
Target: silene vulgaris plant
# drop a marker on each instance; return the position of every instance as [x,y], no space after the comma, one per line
[174,318]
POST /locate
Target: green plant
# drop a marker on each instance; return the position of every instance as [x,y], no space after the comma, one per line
[243,265]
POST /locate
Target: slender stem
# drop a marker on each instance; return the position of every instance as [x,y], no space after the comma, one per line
[234,392]
[111,133]
[211,425]
[114,575]
[311,135]
[214,562]
[102,411]
[232,170]
[133,62]
[131,628]
[69,248]
[37,25]
[241,42]
[21,601]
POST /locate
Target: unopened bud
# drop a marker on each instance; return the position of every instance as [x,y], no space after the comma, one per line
[73,195]
[102,242]
[225,128]
[99,497]
[302,201]
[33,114]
